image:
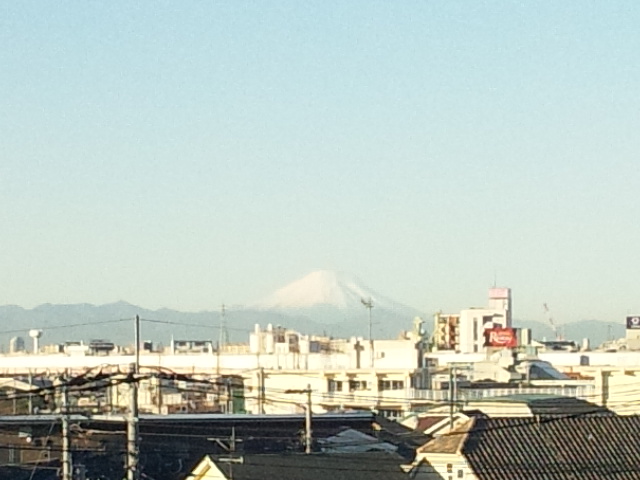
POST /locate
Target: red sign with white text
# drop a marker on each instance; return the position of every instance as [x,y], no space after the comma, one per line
[500,337]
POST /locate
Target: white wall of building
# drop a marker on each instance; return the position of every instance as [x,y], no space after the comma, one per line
[470,324]
[473,323]
[387,354]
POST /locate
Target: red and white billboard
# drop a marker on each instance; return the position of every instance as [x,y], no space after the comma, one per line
[500,337]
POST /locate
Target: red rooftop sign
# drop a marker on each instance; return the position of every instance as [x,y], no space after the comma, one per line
[500,337]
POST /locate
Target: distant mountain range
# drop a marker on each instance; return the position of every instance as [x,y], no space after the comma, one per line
[596,331]
[322,302]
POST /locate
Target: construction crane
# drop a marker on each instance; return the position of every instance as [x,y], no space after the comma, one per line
[547,313]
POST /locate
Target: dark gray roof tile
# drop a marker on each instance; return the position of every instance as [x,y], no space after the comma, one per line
[590,447]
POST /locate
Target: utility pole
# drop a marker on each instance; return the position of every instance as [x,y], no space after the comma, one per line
[67,466]
[454,387]
[227,382]
[223,337]
[453,393]
[308,436]
[132,419]
[307,423]
[132,427]
[30,394]
[369,306]
[261,394]
[136,334]
[231,449]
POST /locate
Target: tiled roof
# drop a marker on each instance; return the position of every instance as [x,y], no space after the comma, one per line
[362,466]
[449,442]
[583,447]
[399,435]
[564,405]
[428,421]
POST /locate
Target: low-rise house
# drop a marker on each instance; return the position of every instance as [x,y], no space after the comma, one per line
[575,446]
[362,466]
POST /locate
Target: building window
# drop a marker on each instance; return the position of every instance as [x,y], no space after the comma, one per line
[449,467]
[357,385]
[390,385]
[334,385]
[391,414]
[460,473]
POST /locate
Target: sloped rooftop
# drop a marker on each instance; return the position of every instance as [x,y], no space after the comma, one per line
[579,447]
[361,466]
[450,442]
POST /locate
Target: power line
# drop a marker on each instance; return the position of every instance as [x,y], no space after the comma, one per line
[68,325]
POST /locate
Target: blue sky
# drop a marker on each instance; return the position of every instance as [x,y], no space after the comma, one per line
[182,154]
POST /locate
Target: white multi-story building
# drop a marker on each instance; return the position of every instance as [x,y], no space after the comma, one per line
[465,332]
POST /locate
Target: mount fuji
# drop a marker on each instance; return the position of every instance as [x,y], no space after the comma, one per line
[336,300]
[322,302]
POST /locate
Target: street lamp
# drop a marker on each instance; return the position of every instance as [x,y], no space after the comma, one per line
[368,304]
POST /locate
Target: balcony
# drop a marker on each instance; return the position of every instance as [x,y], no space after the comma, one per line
[582,392]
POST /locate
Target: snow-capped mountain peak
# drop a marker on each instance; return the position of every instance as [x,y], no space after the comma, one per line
[324,288]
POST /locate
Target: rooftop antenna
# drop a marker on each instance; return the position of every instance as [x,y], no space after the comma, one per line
[223,338]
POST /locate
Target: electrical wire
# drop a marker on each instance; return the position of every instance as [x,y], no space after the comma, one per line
[174,376]
[85,383]
[68,325]
[517,468]
[35,467]
[198,325]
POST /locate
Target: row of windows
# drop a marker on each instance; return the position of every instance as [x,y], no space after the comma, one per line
[356,385]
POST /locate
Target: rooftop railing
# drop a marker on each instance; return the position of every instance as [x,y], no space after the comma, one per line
[365,397]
